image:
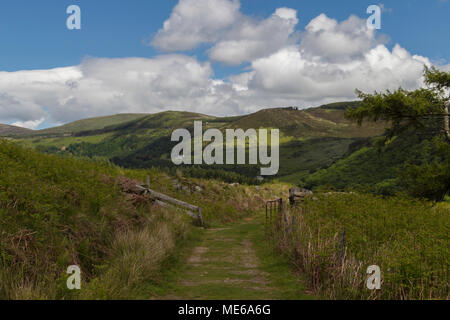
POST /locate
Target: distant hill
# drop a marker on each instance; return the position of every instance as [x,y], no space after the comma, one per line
[314,122]
[90,124]
[311,139]
[144,124]
[7,130]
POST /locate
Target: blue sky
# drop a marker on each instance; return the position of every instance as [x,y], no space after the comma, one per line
[34,36]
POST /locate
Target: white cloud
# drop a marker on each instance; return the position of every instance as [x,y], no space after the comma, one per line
[32,124]
[108,86]
[292,76]
[237,38]
[328,40]
[250,39]
[332,60]
[194,22]
[316,70]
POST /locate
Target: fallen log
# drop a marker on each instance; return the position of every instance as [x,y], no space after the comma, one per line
[168,205]
[164,198]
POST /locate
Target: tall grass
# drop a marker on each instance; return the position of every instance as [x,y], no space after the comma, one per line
[136,256]
[54,212]
[61,211]
[408,239]
[57,212]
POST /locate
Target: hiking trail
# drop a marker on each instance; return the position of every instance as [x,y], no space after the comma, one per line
[233,263]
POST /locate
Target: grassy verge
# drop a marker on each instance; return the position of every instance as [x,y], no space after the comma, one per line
[171,267]
[61,211]
[291,284]
[141,262]
[408,239]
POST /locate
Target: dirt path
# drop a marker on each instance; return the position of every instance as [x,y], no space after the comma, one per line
[235,263]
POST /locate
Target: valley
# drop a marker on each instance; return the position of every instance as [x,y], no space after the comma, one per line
[310,139]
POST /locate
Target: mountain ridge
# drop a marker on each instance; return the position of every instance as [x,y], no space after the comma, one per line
[93,124]
[310,139]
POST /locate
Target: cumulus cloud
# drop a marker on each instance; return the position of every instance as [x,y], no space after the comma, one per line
[251,39]
[237,38]
[291,75]
[32,124]
[108,86]
[12,108]
[329,61]
[194,22]
[328,40]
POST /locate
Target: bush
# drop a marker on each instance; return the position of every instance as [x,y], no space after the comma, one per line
[431,180]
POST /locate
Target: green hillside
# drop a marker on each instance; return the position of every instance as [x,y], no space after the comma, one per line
[311,139]
[148,124]
[314,122]
[90,124]
[382,169]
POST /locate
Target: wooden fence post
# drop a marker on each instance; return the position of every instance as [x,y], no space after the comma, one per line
[266,214]
[200,217]
[286,222]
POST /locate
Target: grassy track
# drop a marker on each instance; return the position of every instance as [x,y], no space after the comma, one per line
[235,262]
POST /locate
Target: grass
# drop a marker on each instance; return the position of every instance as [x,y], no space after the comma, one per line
[407,238]
[136,260]
[171,267]
[232,262]
[60,142]
[58,211]
[308,123]
[292,285]
[90,124]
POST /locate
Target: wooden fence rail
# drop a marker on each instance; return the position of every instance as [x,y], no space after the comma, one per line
[165,200]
